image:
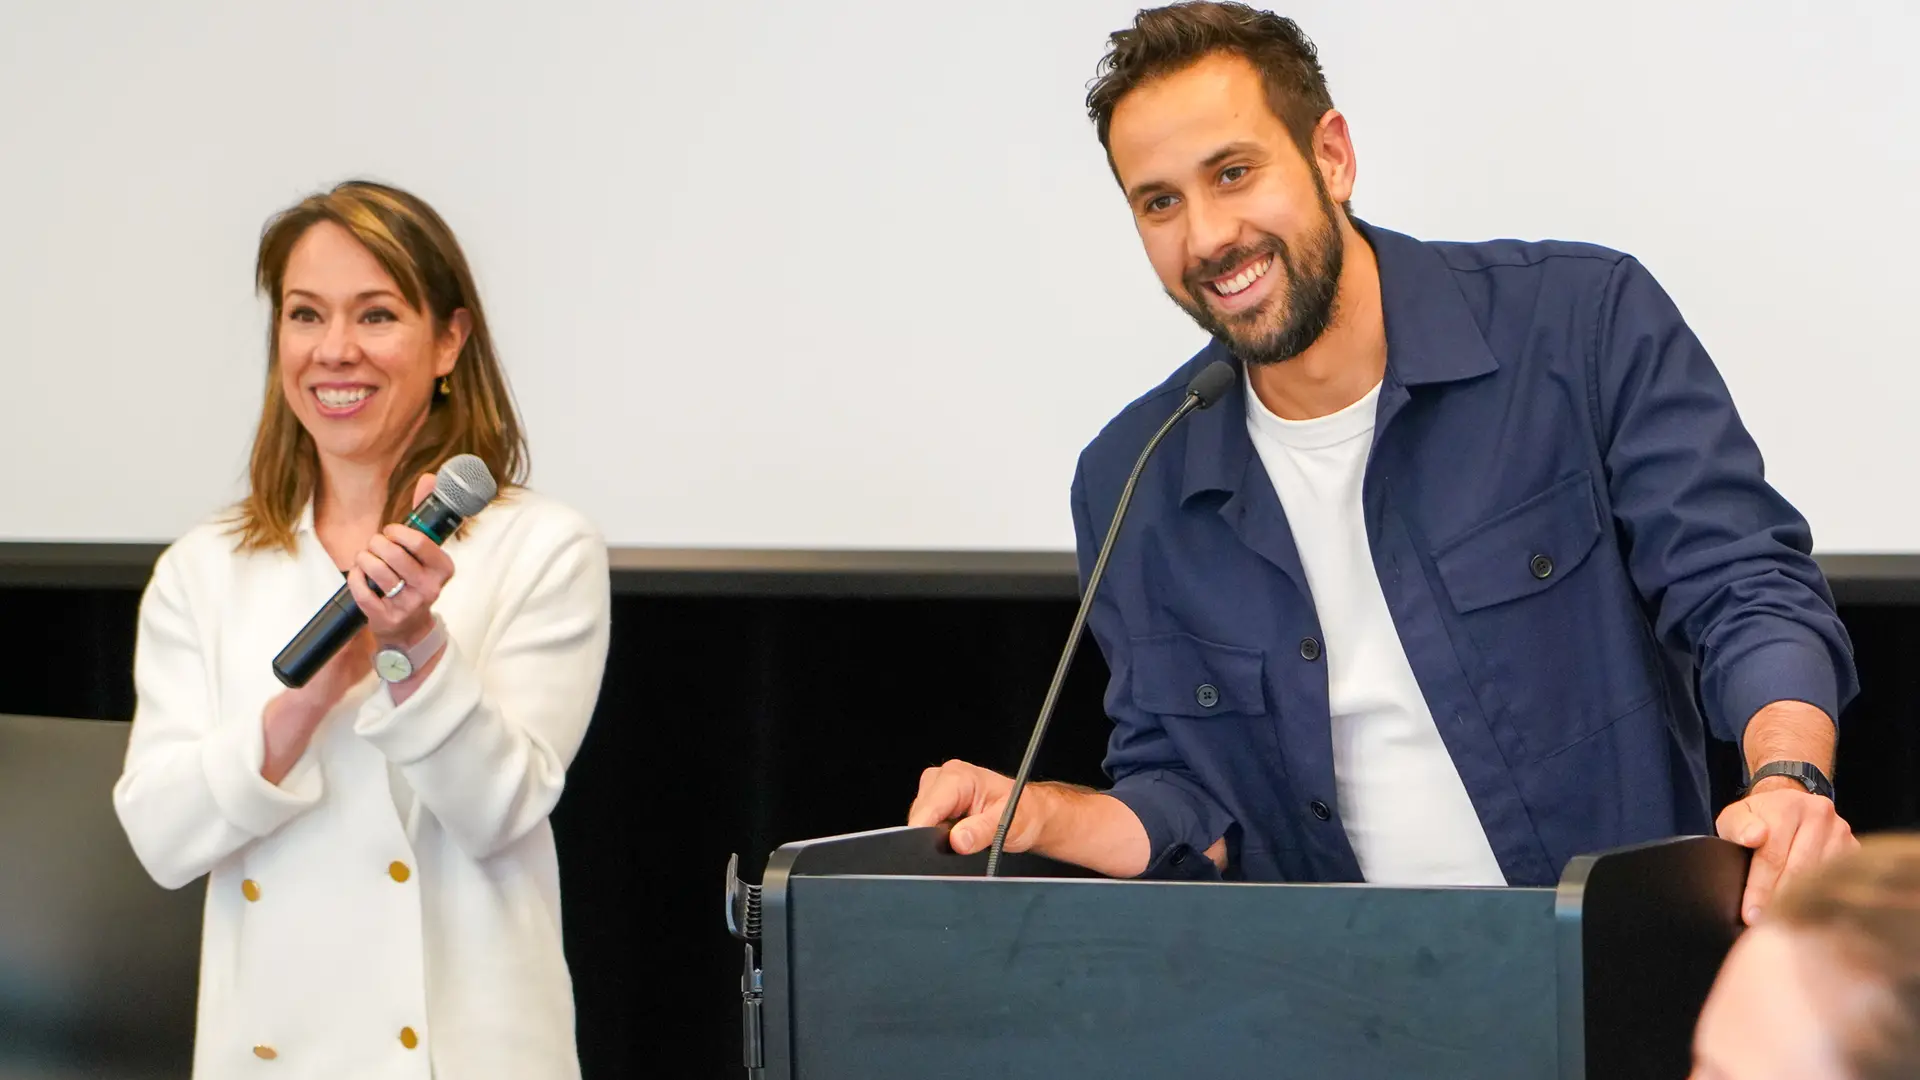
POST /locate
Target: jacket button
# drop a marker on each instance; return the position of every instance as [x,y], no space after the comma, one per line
[1309,649]
[398,871]
[1320,810]
[250,889]
[264,1053]
[408,1039]
[1542,567]
[1179,856]
[1207,694]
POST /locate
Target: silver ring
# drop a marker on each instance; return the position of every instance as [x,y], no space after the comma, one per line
[395,591]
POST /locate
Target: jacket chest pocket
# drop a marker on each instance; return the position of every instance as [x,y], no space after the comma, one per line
[1182,675]
[1553,618]
[1210,701]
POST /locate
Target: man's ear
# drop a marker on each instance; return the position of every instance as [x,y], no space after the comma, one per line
[1333,155]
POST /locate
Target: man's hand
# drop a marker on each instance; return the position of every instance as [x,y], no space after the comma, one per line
[1061,821]
[1790,830]
[973,799]
[1789,827]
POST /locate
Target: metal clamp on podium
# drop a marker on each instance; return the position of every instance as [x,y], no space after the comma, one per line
[743,922]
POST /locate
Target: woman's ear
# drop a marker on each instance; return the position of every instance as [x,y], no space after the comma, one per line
[452,340]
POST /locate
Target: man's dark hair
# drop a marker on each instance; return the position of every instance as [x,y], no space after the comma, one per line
[1163,40]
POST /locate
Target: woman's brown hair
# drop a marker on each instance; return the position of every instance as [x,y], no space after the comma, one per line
[475,416]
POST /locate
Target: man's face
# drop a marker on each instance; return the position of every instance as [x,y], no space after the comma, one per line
[1780,1010]
[1239,226]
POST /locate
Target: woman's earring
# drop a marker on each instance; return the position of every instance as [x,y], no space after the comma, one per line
[446,386]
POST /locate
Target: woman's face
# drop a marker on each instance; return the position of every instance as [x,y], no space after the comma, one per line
[358,365]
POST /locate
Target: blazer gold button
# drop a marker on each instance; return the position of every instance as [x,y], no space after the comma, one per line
[408,1039]
[399,871]
[264,1053]
[250,889]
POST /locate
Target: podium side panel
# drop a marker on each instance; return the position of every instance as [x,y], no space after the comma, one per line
[904,978]
[1651,924]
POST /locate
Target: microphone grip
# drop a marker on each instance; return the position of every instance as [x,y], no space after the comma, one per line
[434,518]
[325,634]
[340,618]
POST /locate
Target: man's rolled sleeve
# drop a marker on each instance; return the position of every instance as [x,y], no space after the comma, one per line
[1790,668]
[1181,822]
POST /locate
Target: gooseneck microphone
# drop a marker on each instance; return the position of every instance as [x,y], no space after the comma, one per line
[462,488]
[1204,390]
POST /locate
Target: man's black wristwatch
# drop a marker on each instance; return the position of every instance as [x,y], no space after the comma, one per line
[1806,772]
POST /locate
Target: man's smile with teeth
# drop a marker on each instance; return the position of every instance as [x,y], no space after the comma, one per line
[1239,282]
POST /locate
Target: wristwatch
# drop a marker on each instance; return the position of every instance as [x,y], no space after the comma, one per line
[1806,772]
[395,664]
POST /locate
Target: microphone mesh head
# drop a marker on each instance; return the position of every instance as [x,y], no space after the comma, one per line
[1212,381]
[464,484]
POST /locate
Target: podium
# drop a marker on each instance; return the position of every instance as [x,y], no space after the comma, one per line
[883,954]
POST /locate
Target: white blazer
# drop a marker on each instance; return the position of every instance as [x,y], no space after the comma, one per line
[392,908]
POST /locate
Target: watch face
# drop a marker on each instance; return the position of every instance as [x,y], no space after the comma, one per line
[392,665]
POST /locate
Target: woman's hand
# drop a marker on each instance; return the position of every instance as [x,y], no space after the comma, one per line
[398,577]
[292,717]
[408,570]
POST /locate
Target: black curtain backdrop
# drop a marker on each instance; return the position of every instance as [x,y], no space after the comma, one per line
[734,724]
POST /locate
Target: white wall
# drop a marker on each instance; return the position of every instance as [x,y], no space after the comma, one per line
[853,274]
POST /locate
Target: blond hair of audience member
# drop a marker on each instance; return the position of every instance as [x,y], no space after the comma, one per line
[1827,986]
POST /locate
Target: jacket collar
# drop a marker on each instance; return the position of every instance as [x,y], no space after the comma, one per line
[1432,338]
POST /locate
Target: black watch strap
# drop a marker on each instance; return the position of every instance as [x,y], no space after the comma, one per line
[1806,772]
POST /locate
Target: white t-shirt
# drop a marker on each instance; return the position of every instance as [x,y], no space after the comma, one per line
[1405,808]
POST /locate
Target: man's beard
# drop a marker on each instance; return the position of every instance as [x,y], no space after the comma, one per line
[1262,335]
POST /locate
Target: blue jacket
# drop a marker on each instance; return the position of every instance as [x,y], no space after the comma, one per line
[1575,539]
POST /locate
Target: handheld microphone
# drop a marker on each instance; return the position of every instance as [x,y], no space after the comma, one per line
[462,488]
[1204,390]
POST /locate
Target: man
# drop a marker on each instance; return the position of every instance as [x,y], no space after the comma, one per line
[1828,986]
[1427,597]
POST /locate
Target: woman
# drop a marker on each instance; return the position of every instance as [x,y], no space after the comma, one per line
[382,895]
